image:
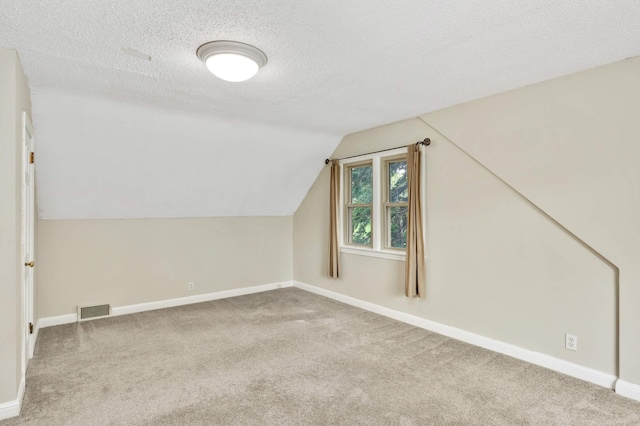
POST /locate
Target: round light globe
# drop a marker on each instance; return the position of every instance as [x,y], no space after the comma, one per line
[232,67]
[231,60]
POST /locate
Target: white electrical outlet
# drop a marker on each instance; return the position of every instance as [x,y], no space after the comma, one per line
[571,342]
[192,286]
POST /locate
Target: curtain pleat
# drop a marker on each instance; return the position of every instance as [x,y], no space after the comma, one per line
[334,205]
[415,275]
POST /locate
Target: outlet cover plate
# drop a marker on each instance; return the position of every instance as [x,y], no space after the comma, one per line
[571,342]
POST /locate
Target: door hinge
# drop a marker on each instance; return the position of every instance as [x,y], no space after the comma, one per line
[32,157]
[30,328]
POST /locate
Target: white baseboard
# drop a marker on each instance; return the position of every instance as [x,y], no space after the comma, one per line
[627,389]
[12,408]
[57,320]
[169,303]
[552,363]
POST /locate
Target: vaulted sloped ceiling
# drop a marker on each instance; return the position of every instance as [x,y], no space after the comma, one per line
[119,136]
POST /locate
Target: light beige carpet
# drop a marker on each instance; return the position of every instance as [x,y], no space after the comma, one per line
[291,357]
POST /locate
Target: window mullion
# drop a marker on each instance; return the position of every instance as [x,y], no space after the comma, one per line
[376,211]
[358,205]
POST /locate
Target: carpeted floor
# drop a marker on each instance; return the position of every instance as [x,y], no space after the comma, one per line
[291,357]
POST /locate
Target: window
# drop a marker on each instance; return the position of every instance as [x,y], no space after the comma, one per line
[396,203]
[375,205]
[359,204]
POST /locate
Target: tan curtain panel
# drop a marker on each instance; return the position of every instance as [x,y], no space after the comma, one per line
[334,205]
[415,275]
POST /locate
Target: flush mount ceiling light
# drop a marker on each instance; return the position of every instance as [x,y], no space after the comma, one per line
[231,60]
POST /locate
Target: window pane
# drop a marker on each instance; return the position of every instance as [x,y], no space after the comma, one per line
[398,192]
[360,225]
[362,184]
[398,223]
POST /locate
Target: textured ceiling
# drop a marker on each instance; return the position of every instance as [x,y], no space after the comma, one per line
[123,136]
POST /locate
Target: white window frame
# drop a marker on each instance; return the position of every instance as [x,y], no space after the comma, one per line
[386,203]
[377,248]
[347,195]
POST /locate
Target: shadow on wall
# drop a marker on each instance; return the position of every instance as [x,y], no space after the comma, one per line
[614,269]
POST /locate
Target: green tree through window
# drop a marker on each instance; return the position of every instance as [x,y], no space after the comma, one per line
[360,205]
[397,204]
[375,204]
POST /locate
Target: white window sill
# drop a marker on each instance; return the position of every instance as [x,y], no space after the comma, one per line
[381,254]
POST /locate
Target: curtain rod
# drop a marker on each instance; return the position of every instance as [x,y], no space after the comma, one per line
[425,142]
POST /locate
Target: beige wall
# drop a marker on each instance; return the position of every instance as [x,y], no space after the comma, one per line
[570,145]
[9,257]
[497,266]
[14,98]
[130,261]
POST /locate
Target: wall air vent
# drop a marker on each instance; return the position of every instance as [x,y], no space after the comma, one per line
[93,312]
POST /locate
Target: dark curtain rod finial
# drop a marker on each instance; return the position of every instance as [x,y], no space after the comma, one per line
[425,142]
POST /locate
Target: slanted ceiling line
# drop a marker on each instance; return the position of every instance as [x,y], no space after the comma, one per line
[561,226]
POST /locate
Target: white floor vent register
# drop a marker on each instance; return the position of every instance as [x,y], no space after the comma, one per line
[93,312]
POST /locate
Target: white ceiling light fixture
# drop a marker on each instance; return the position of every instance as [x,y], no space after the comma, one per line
[231,60]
